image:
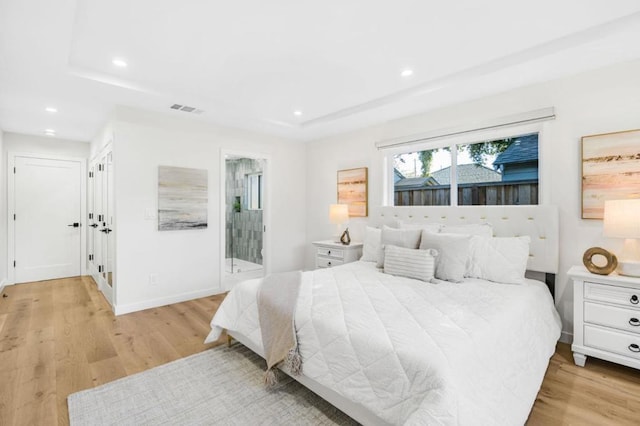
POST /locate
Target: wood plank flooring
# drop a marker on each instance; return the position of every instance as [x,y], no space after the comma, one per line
[58,337]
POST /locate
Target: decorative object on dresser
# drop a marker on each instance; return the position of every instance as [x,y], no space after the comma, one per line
[338,215]
[329,253]
[606,317]
[353,191]
[610,170]
[622,220]
[609,267]
[345,238]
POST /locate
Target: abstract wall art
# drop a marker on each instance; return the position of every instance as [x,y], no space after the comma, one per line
[182,198]
[610,170]
[352,190]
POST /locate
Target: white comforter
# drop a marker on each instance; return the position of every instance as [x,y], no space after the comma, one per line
[471,353]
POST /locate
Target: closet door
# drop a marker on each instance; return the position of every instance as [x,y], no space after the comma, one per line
[95,223]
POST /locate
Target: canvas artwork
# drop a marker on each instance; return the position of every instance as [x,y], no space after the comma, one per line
[610,170]
[352,190]
[182,198]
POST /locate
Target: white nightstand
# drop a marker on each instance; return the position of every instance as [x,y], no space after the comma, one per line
[329,253]
[606,317]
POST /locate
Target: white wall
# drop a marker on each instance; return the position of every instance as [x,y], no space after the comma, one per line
[3,213]
[601,101]
[187,263]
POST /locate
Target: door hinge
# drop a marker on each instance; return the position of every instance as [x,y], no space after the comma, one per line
[14,170]
[14,263]
[90,257]
[14,216]
[90,215]
[90,174]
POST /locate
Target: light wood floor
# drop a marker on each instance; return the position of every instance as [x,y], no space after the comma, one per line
[59,337]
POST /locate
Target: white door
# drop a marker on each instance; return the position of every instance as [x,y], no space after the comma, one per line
[47,202]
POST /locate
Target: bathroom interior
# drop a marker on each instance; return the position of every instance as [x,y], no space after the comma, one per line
[244,215]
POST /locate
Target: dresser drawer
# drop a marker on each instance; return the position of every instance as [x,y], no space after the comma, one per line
[612,316]
[608,293]
[325,262]
[331,252]
[612,341]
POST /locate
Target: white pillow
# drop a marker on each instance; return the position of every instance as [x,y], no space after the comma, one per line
[453,254]
[407,238]
[480,229]
[502,260]
[427,226]
[410,263]
[372,245]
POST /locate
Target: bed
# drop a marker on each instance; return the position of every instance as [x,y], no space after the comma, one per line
[388,349]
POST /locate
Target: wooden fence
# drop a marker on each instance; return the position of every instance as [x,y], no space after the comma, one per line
[471,194]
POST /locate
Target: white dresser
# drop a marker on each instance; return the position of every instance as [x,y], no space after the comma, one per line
[606,317]
[329,253]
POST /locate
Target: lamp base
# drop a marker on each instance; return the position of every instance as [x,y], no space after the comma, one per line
[629,268]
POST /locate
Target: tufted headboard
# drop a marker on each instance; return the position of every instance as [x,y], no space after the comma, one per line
[539,222]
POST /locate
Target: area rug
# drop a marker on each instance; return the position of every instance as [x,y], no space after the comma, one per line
[223,385]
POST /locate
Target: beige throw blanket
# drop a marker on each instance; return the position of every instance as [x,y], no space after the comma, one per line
[277,298]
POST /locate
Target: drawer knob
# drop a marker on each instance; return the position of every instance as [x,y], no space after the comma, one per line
[329,252]
[328,263]
[634,299]
[634,322]
[634,348]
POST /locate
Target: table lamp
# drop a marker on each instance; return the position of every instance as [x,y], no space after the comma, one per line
[622,220]
[338,214]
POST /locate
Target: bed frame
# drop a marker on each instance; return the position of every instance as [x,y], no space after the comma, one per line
[540,223]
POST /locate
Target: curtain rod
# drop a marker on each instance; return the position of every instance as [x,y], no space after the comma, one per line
[536,116]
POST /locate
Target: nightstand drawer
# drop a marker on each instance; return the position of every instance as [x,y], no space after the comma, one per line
[623,296]
[325,262]
[612,316]
[331,252]
[612,341]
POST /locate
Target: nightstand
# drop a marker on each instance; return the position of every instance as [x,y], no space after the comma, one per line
[329,253]
[606,317]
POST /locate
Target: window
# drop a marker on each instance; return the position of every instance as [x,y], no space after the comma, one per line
[493,172]
[254,191]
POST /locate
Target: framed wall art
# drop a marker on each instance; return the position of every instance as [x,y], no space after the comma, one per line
[610,170]
[353,191]
[182,198]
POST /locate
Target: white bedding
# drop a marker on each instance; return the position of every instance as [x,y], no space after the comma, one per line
[413,352]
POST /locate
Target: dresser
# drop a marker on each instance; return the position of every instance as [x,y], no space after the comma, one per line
[329,253]
[606,317]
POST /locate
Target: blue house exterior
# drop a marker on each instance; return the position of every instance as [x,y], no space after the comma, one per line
[520,160]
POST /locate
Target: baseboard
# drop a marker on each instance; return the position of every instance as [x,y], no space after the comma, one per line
[3,284]
[566,337]
[121,309]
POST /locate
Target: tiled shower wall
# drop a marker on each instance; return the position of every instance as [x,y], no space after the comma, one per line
[244,229]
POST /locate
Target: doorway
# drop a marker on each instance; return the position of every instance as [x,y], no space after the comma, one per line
[244,215]
[46,207]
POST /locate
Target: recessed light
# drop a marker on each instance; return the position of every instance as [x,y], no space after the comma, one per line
[119,62]
[297,113]
[51,109]
[407,73]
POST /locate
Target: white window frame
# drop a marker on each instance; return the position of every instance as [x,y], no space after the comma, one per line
[451,142]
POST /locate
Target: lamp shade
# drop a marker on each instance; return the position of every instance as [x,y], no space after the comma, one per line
[622,218]
[338,213]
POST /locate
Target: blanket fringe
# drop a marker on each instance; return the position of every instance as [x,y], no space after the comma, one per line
[294,361]
[270,378]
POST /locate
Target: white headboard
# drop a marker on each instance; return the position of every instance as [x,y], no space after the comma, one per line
[539,222]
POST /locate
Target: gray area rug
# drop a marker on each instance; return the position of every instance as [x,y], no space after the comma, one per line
[223,385]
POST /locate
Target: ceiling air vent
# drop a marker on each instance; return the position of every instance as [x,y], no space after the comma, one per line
[186,108]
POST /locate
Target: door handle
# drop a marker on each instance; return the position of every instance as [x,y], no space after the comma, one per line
[94,225]
[74,225]
[105,230]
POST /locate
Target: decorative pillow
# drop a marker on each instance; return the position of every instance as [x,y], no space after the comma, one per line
[453,254]
[407,238]
[427,226]
[480,229]
[410,263]
[372,245]
[502,260]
